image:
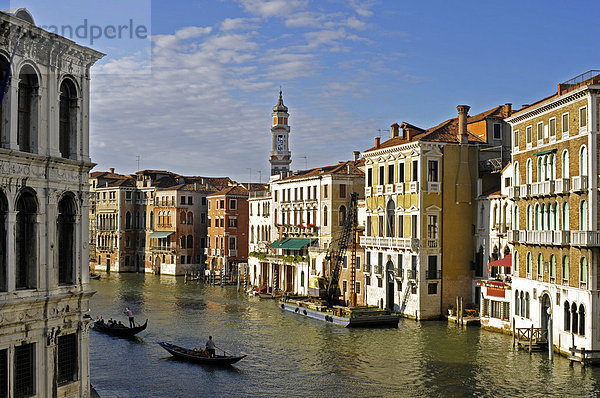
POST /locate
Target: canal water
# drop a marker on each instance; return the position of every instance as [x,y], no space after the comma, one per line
[291,356]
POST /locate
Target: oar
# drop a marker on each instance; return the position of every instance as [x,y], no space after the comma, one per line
[223,350]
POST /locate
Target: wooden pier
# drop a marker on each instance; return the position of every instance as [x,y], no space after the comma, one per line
[530,339]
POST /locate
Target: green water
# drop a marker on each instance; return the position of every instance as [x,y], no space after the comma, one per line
[289,355]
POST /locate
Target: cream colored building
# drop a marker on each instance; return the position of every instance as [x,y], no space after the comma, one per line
[44,196]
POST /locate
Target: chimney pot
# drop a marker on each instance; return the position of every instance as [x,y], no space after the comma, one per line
[507,109]
[112,170]
[356,155]
[377,142]
[463,111]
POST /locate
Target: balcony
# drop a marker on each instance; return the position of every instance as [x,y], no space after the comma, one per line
[400,187]
[413,187]
[412,274]
[535,188]
[557,238]
[580,183]
[368,191]
[367,269]
[524,190]
[546,188]
[379,190]
[164,248]
[232,252]
[378,269]
[389,189]
[433,187]
[389,243]
[433,274]
[207,251]
[585,238]
[432,243]
[562,186]
[513,192]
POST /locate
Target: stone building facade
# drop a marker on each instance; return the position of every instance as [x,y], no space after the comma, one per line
[556,226]
[44,166]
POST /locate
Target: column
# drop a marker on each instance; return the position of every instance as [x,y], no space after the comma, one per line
[11,220]
[12,98]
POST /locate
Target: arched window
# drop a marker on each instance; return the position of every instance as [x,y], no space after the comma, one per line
[538,217]
[551,173]
[182,217]
[553,267]
[137,220]
[516,262]
[25,242]
[28,104]
[540,265]
[583,270]
[522,304]
[567,316]
[144,220]
[574,319]
[527,305]
[182,241]
[5,133]
[190,242]
[517,176]
[325,216]
[565,269]
[68,119]
[565,164]
[529,261]
[66,240]
[517,303]
[540,169]
[3,237]
[583,161]
[252,234]
[552,217]
[391,208]
[529,218]
[128,220]
[515,221]
[565,216]
[302,279]
[583,215]
[528,172]
[342,215]
[581,320]
[190,218]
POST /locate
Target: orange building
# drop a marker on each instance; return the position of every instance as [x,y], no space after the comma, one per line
[227,238]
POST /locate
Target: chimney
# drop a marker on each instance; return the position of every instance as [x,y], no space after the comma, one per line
[356,155]
[377,142]
[507,109]
[112,170]
[463,135]
[395,130]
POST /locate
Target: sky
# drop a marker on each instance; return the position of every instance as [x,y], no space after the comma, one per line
[195,94]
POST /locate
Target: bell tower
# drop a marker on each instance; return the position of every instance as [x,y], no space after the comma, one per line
[281,157]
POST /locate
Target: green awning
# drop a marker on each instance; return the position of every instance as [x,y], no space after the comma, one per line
[159,235]
[545,152]
[291,243]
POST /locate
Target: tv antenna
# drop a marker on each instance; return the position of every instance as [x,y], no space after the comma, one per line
[137,158]
[305,161]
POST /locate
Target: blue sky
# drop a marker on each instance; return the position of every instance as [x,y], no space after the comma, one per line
[196,97]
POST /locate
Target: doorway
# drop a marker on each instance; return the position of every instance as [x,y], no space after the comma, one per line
[390,284]
[544,315]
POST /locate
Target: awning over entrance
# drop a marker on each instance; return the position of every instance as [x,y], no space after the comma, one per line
[291,243]
[503,262]
[160,235]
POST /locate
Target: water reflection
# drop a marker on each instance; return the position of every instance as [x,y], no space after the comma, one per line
[295,356]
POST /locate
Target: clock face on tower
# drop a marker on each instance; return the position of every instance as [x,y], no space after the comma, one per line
[280,142]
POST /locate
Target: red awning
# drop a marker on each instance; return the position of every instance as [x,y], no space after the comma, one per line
[503,262]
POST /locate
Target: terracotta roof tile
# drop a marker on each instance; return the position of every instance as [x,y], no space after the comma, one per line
[340,168]
[233,190]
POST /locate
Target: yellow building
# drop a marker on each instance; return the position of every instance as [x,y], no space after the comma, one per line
[420,190]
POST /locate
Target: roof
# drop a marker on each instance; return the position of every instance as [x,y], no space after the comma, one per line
[280,107]
[446,131]
[350,167]
[233,190]
[291,243]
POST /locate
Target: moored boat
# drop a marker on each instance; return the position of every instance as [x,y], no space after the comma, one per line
[200,356]
[119,330]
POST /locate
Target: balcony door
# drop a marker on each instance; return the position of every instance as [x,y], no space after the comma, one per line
[390,284]
[544,316]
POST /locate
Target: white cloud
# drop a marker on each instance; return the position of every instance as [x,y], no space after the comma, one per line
[273,8]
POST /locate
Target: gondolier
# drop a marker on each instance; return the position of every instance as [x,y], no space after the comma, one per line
[210,347]
[130,315]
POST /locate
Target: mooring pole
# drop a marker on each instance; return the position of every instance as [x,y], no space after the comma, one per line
[550,347]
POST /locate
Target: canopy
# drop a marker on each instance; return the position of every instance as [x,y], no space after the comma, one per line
[503,262]
[159,235]
[291,243]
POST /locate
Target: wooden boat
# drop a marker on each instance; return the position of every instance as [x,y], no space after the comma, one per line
[120,331]
[94,276]
[198,356]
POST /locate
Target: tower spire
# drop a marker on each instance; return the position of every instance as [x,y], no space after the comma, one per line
[280,157]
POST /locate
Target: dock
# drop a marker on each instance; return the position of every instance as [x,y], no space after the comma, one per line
[530,339]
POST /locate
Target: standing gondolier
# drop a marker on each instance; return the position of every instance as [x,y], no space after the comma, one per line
[210,347]
[130,315]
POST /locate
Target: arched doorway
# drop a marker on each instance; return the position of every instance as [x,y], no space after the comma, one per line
[389,267]
[544,316]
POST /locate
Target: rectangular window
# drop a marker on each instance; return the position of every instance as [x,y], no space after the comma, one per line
[24,370]
[486,306]
[3,373]
[380,222]
[344,286]
[202,242]
[432,170]
[67,359]
[345,262]
[183,200]
[276,192]
[432,227]
[233,204]
[380,259]
[357,287]
[369,177]
[401,172]
[342,190]
[221,222]
[203,201]
[315,192]
[390,174]
[368,259]
[202,218]
[295,193]
[209,204]
[233,222]
[128,195]
[496,306]
[516,139]
[414,226]
[552,127]
[190,200]
[583,117]
[381,175]
[367,280]
[379,282]
[357,262]
[540,131]
[432,288]
[208,222]
[565,123]
[232,243]
[222,203]
[528,134]
[301,193]
[497,131]
[415,170]
[182,261]
[401,226]
[189,259]
[325,191]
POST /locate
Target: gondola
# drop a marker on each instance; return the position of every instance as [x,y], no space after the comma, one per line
[197,357]
[119,331]
[95,276]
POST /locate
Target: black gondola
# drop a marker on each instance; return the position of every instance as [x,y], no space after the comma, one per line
[120,331]
[197,357]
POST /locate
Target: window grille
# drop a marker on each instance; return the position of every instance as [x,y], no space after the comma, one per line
[67,359]
[24,368]
[3,373]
